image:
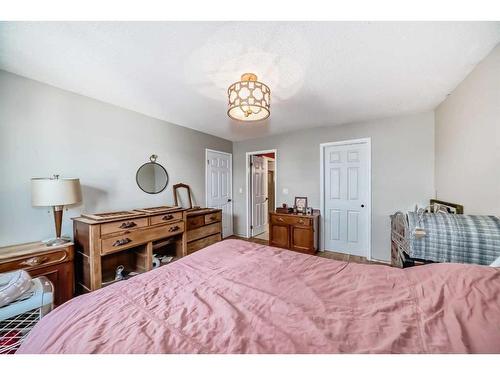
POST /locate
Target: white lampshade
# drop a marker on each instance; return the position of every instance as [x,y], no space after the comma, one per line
[55,191]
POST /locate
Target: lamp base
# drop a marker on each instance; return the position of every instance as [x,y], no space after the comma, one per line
[57,241]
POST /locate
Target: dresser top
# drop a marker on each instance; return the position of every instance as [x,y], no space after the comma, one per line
[202,211]
[30,248]
[133,215]
[312,216]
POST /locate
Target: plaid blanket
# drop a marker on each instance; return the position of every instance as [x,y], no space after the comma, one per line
[455,238]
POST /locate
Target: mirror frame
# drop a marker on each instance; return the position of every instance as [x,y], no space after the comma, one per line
[152,159]
[182,186]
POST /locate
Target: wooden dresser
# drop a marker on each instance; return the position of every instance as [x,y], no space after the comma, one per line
[38,259]
[204,227]
[103,245]
[294,231]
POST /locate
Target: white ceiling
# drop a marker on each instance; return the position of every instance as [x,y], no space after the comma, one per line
[320,73]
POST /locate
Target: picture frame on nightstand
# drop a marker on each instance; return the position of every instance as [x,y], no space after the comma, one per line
[300,203]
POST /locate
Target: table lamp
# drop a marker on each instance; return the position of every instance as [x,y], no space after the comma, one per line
[56,192]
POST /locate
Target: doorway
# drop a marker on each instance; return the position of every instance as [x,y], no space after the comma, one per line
[345,184]
[219,186]
[261,172]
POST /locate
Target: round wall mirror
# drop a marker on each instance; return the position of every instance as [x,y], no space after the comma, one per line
[152,177]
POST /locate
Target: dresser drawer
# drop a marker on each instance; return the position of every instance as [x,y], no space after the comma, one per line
[213,217]
[195,222]
[35,261]
[120,226]
[138,237]
[291,220]
[166,218]
[204,231]
[204,242]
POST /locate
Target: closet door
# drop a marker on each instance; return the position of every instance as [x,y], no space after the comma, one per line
[346,197]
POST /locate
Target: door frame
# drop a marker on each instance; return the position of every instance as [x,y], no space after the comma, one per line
[322,147]
[207,150]
[248,182]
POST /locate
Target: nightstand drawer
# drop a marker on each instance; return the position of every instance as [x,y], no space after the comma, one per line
[35,261]
[291,220]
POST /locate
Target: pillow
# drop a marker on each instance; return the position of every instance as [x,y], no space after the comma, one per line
[13,285]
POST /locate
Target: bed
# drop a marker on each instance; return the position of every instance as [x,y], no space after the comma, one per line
[241,297]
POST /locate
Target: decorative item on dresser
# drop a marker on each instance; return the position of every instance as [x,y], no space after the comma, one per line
[178,197]
[294,231]
[300,203]
[104,242]
[38,259]
[204,227]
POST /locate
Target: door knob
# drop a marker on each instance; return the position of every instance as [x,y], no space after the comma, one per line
[362,205]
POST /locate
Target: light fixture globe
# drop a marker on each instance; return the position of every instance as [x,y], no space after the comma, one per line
[249,99]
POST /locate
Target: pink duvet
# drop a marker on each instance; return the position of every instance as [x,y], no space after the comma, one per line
[240,297]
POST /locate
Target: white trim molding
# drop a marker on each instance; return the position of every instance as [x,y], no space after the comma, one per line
[322,146]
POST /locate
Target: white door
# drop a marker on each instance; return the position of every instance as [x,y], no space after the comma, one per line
[258,172]
[219,175]
[346,198]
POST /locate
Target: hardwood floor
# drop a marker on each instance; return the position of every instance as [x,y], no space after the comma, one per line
[323,254]
[348,258]
[254,239]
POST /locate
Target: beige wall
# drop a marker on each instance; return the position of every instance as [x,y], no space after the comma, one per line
[402,168]
[468,141]
[44,130]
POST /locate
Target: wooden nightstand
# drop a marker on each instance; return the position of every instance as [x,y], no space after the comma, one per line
[294,231]
[54,262]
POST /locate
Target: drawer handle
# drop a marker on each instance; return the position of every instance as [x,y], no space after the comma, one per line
[301,221]
[128,224]
[213,218]
[280,219]
[167,217]
[174,228]
[34,261]
[121,242]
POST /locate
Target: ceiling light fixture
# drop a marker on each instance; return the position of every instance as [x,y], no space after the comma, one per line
[249,100]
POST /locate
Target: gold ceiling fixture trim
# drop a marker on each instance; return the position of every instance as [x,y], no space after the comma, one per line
[249,99]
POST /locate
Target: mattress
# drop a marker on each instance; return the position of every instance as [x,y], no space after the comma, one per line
[241,297]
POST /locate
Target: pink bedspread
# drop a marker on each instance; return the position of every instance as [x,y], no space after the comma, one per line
[240,297]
